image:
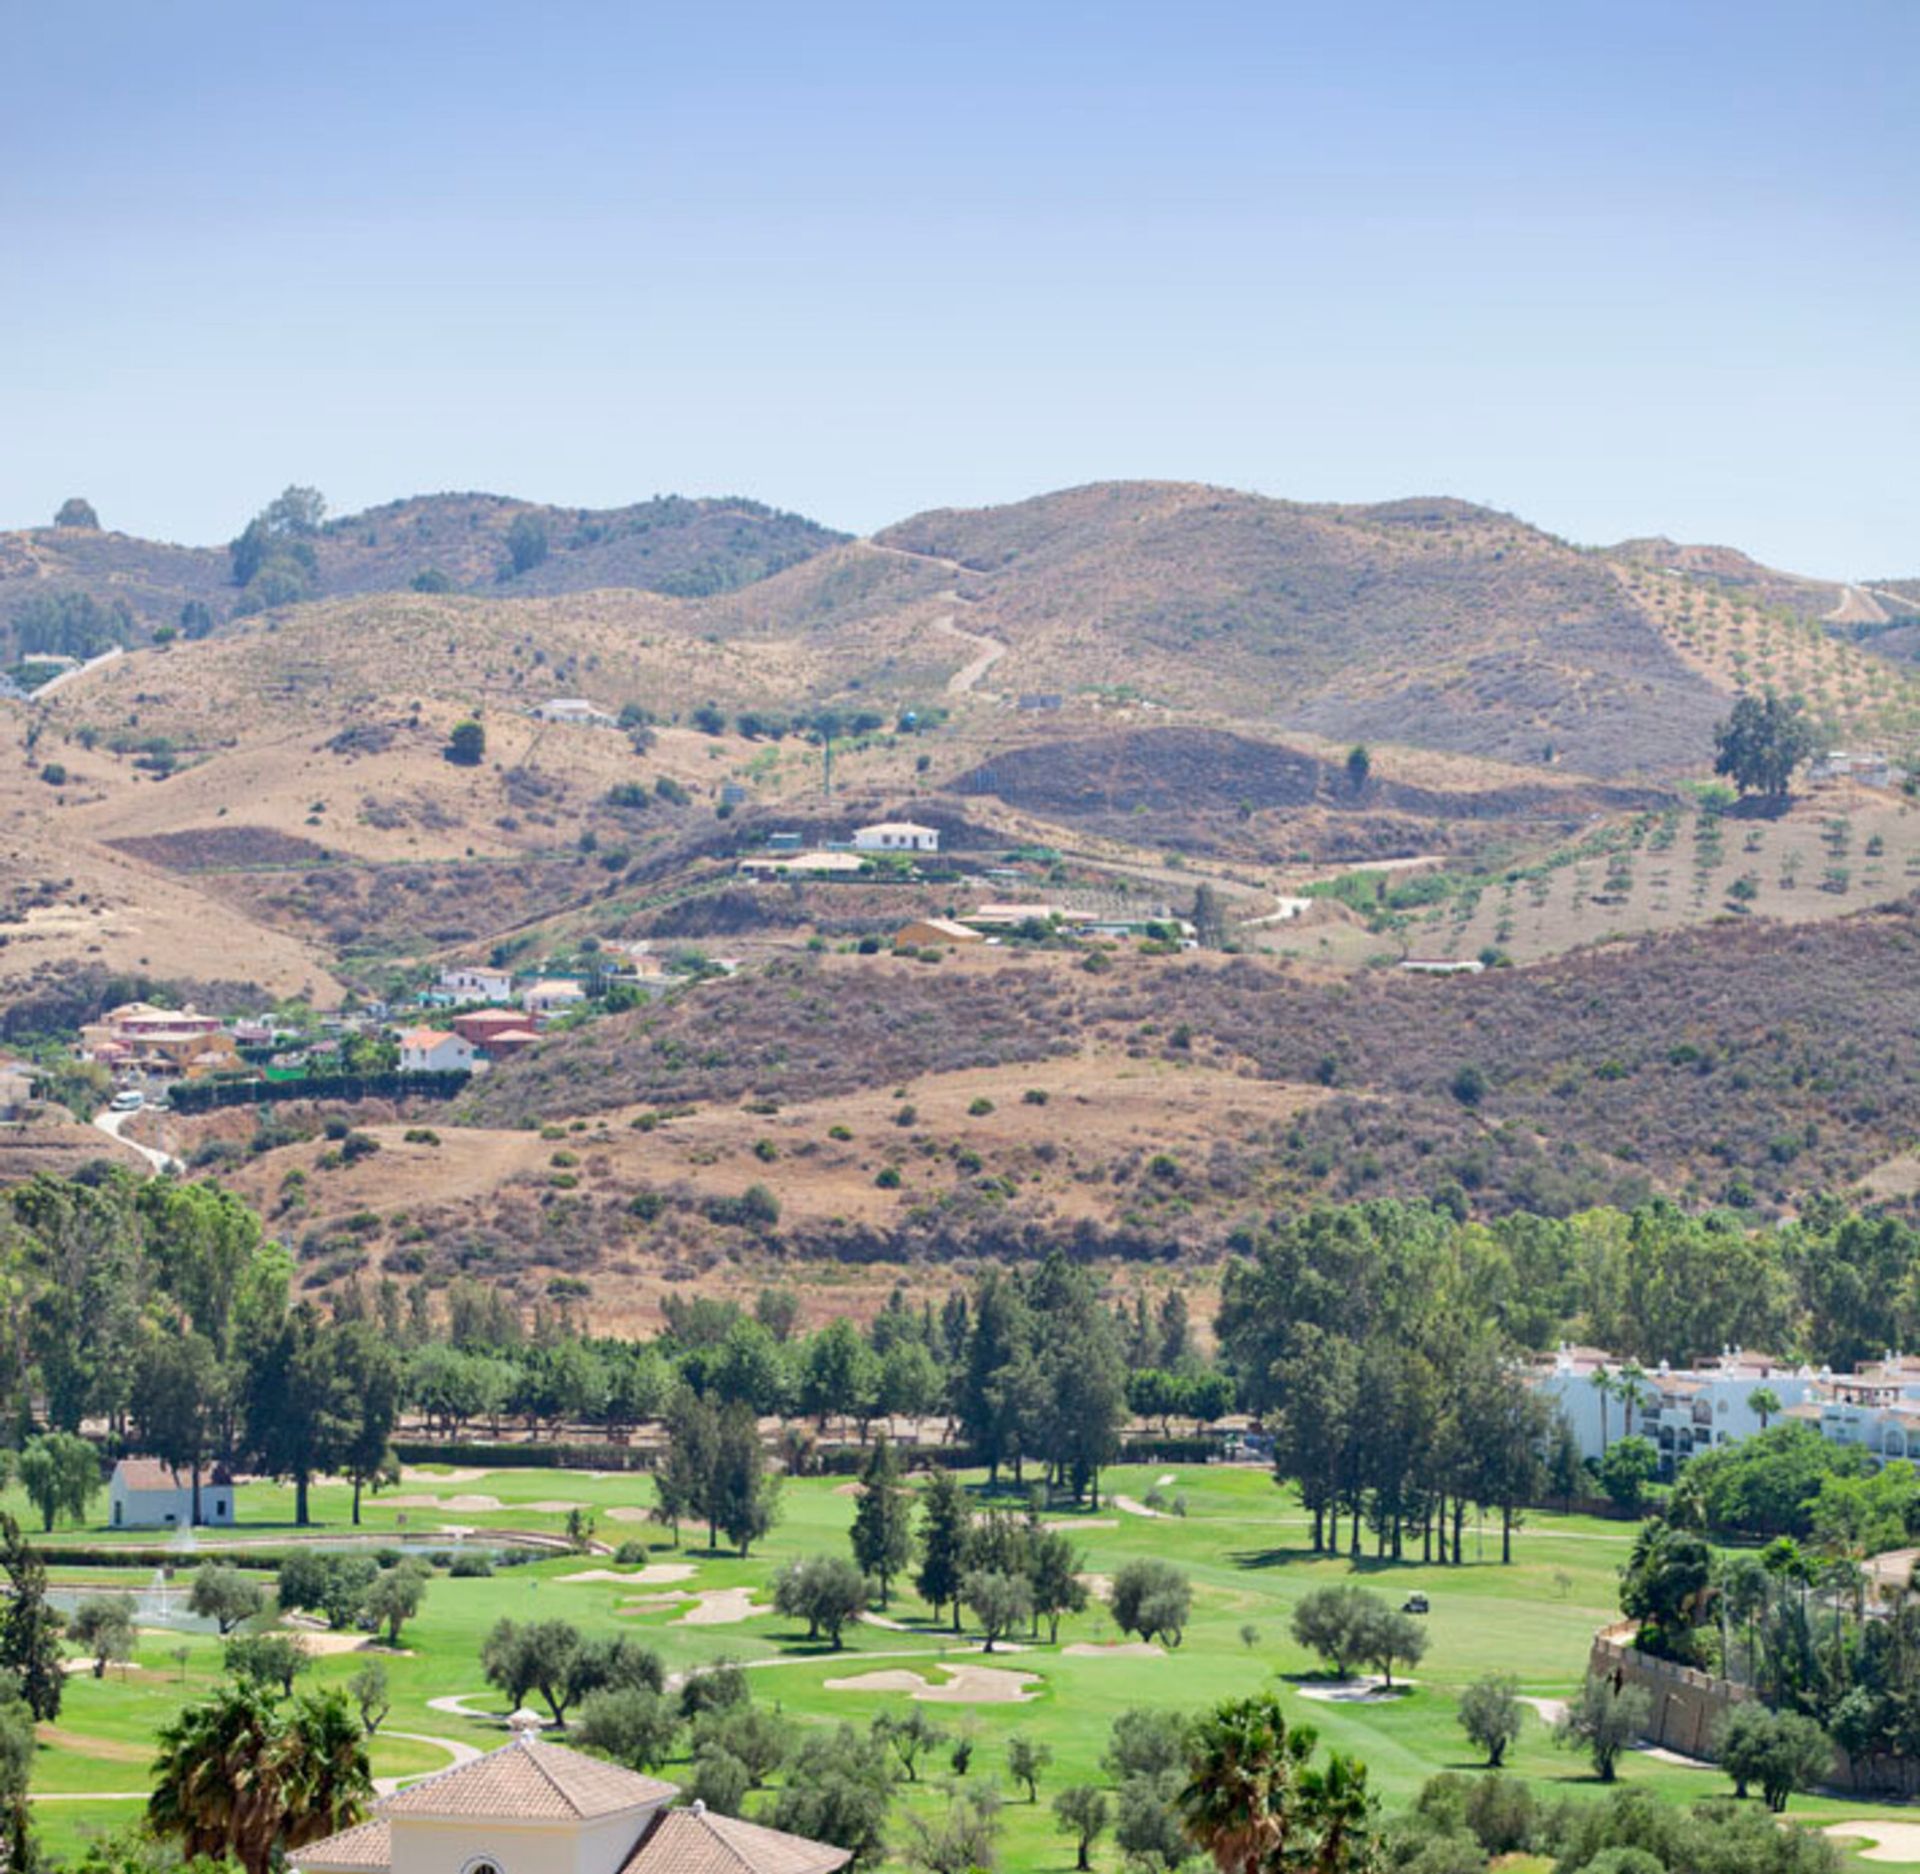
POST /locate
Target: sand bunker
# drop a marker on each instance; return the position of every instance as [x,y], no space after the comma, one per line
[965,1685]
[1099,1586]
[1895,1841]
[650,1576]
[1132,1508]
[854,1489]
[721,1607]
[551,1506]
[322,1645]
[1368,1689]
[652,1603]
[1550,1709]
[1114,1649]
[628,1513]
[455,1474]
[444,1503]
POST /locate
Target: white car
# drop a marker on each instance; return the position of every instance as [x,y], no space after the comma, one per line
[130,1101]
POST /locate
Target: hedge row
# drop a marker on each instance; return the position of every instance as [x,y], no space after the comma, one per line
[200,1096]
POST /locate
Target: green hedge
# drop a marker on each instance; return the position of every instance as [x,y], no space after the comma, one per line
[533,1457]
[202,1096]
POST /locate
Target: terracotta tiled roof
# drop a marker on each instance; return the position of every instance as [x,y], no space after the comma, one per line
[367,1848]
[696,1841]
[152,1474]
[424,1037]
[530,1779]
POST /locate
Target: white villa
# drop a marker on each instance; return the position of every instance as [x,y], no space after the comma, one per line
[539,1808]
[896,836]
[1693,1409]
[143,1493]
[471,983]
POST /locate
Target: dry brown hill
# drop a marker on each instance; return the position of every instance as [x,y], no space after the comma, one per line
[670,544]
[1431,623]
[1733,571]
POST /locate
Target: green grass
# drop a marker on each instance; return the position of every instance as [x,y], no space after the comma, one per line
[1243,1542]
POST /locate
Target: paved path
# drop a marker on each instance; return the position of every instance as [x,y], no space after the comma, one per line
[458,1752]
[113,1124]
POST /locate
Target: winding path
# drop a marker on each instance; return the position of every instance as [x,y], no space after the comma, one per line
[113,1124]
[989,650]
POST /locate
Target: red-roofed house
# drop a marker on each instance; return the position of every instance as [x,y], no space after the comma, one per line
[481,1025]
[435,1051]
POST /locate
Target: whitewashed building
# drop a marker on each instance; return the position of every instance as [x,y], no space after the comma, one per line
[436,1051]
[471,983]
[896,836]
[552,995]
[143,1493]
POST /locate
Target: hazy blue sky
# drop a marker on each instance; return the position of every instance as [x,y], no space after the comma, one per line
[1618,267]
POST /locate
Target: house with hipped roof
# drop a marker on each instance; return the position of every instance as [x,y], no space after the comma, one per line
[533,1807]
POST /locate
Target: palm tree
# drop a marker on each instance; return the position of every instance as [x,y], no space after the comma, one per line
[213,1777]
[325,1778]
[1764,1403]
[235,1778]
[1336,1807]
[1602,1382]
[1631,1390]
[1239,1802]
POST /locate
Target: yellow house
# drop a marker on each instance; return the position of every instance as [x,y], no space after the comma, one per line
[537,1808]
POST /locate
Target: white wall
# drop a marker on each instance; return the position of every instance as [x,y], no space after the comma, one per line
[422,1846]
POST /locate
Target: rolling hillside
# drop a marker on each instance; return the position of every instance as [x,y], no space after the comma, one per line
[1140,675]
[459,541]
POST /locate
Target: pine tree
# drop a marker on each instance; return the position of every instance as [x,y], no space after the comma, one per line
[944,1527]
[882,1528]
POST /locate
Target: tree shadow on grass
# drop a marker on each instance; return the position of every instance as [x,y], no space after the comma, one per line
[1269,1558]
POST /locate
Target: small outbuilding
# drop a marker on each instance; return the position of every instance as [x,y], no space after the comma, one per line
[144,1493]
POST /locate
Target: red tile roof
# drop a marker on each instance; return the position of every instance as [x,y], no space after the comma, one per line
[533,1779]
[696,1841]
[366,1848]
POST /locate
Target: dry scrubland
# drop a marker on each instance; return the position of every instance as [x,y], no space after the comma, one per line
[637,1215]
[885,1104]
